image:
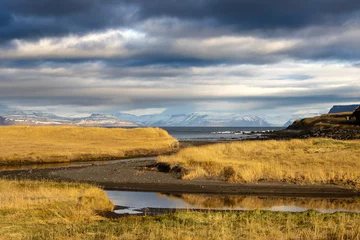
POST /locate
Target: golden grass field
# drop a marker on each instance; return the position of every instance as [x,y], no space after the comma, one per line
[50,210]
[24,205]
[310,161]
[36,144]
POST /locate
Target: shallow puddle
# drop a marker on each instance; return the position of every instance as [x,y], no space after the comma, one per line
[135,201]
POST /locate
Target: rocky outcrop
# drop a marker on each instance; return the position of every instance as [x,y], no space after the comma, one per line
[335,133]
[356,114]
[337,126]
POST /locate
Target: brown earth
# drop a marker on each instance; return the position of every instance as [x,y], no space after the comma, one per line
[135,175]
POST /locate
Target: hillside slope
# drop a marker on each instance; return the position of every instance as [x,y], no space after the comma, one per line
[36,144]
[337,125]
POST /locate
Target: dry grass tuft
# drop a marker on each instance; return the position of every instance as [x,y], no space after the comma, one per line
[30,144]
[50,210]
[30,203]
[310,161]
[190,225]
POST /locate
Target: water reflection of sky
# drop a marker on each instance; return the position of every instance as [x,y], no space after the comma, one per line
[139,200]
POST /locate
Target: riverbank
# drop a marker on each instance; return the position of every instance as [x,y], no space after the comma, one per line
[138,176]
[52,210]
[59,221]
[314,161]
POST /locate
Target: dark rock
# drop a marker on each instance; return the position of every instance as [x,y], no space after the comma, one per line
[163,167]
[356,114]
[179,171]
[335,133]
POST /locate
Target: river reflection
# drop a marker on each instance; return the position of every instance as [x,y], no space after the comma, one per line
[140,200]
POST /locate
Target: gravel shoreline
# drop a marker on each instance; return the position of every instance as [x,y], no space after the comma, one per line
[134,176]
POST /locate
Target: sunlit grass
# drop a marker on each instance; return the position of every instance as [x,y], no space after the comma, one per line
[191,225]
[26,144]
[310,161]
[31,203]
[50,210]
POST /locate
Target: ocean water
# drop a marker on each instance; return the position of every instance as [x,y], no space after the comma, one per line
[217,133]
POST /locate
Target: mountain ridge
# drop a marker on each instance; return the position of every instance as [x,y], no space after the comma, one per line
[197,119]
[43,118]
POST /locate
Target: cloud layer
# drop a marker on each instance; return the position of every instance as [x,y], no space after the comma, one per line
[233,55]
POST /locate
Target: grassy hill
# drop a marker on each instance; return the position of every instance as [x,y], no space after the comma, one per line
[326,121]
[336,125]
[30,144]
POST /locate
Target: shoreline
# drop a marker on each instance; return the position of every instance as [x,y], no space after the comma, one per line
[132,176]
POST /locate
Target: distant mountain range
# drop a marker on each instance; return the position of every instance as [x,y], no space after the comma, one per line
[41,118]
[127,120]
[196,120]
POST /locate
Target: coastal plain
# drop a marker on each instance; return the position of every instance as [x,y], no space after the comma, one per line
[69,202]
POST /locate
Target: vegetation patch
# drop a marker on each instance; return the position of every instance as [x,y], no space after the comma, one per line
[27,204]
[50,210]
[326,121]
[35,144]
[193,225]
[306,161]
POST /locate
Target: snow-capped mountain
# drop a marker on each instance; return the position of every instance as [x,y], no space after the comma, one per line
[102,120]
[193,119]
[196,120]
[42,118]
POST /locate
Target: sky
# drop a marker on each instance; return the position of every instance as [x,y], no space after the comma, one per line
[138,56]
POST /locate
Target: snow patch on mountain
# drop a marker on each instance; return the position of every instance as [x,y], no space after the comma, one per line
[42,118]
[197,119]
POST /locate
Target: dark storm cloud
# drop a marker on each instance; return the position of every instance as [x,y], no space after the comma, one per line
[167,21]
[163,53]
[22,19]
[254,14]
[39,18]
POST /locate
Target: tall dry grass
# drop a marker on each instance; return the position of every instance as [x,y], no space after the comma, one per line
[26,144]
[310,161]
[189,225]
[32,203]
[49,210]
